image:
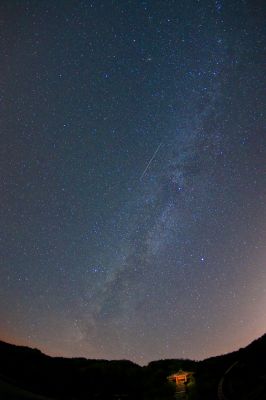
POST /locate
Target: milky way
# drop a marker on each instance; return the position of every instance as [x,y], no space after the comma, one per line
[133,177]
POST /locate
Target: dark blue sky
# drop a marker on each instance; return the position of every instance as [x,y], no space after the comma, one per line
[133,177]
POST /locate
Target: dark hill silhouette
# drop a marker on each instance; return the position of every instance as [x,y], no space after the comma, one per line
[27,373]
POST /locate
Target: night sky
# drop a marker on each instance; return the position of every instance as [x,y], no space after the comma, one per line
[133,179]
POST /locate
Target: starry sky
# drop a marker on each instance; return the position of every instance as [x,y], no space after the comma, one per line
[133,180]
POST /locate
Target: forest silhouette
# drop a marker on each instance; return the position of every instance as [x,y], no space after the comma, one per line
[27,373]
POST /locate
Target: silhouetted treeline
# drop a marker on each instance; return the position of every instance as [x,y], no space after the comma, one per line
[245,381]
[79,378]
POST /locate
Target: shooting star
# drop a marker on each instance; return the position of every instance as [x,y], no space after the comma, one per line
[149,163]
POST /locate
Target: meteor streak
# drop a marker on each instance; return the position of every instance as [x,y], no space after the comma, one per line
[149,163]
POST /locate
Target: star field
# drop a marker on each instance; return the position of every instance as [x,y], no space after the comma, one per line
[133,177]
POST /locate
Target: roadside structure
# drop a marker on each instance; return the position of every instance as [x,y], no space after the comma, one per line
[180,377]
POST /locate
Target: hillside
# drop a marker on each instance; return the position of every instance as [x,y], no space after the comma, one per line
[27,373]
